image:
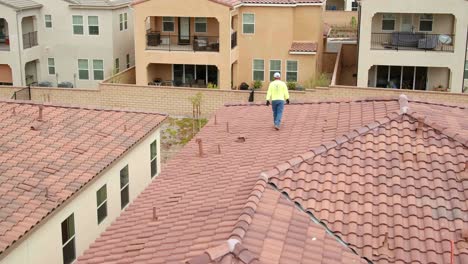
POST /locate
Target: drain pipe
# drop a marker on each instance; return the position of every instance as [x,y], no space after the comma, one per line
[20,53]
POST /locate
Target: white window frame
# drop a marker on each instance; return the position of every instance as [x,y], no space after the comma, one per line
[205,22]
[123,21]
[97,25]
[102,70]
[392,19]
[81,25]
[50,66]
[426,20]
[273,71]
[125,186]
[127,58]
[87,60]
[102,204]
[253,70]
[248,23]
[72,237]
[173,24]
[48,21]
[297,70]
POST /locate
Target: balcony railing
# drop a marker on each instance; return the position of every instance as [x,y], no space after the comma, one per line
[233,39]
[29,40]
[412,41]
[158,41]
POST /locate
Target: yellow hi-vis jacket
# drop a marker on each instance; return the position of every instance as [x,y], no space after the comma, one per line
[277,91]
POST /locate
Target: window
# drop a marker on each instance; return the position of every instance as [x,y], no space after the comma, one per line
[78,25]
[51,65]
[388,22]
[48,21]
[248,23]
[354,5]
[123,21]
[275,66]
[68,240]
[291,71]
[168,24]
[154,158]
[83,69]
[425,22]
[124,185]
[101,199]
[128,61]
[466,69]
[93,25]
[98,70]
[200,25]
[258,70]
[117,65]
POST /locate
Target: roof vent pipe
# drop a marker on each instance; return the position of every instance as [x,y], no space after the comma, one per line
[200,147]
[403,100]
[40,119]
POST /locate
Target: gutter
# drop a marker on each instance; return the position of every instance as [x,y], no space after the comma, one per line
[98,7]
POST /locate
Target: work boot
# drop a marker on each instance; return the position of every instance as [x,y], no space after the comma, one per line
[277,127]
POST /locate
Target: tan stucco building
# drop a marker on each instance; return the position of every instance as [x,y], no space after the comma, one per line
[67,174]
[201,42]
[413,44]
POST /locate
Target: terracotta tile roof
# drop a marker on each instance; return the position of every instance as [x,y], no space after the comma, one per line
[396,190]
[200,202]
[43,163]
[303,47]
[232,3]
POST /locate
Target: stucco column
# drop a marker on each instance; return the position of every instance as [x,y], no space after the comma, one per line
[348,5]
[141,63]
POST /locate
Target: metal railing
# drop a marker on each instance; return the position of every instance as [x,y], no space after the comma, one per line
[412,41]
[23,94]
[158,41]
[29,40]
[233,39]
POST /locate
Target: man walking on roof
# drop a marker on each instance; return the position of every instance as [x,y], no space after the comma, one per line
[278,94]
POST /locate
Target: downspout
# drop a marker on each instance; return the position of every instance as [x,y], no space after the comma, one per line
[466,53]
[19,48]
[358,41]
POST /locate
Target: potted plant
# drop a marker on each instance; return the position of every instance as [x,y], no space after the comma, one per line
[257,84]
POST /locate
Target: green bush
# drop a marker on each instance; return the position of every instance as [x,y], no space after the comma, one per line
[291,85]
[257,84]
[212,86]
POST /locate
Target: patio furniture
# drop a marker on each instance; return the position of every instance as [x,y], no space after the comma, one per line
[406,39]
[429,42]
[200,43]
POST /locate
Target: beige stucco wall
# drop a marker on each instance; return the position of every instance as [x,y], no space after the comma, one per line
[275,30]
[451,60]
[181,8]
[442,23]
[44,244]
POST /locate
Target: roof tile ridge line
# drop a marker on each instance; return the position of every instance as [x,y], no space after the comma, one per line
[250,207]
[282,167]
[439,103]
[83,107]
[330,101]
[449,133]
[216,253]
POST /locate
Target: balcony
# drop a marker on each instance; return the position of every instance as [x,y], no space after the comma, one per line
[29,40]
[175,42]
[4,43]
[417,41]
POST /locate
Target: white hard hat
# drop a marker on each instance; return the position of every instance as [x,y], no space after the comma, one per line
[277,75]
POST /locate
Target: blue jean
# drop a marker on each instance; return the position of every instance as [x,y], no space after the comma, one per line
[278,107]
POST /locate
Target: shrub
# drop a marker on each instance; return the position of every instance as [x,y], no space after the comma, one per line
[291,85]
[65,85]
[257,84]
[323,80]
[212,86]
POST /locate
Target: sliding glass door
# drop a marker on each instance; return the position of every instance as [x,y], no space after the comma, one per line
[401,77]
[195,75]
